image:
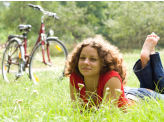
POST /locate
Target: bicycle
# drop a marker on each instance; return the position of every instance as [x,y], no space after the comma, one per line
[47,58]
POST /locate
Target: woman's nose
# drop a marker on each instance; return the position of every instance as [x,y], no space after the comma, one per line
[86,61]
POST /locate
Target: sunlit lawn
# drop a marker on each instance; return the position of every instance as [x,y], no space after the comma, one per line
[50,101]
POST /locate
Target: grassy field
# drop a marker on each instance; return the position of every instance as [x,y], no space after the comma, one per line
[50,101]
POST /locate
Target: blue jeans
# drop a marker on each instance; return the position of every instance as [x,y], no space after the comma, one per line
[150,77]
[143,92]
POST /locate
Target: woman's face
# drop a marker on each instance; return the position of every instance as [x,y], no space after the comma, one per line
[89,62]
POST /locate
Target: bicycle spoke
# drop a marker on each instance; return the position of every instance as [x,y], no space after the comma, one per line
[39,57]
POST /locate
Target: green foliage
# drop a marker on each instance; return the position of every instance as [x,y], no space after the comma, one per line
[125,24]
[133,21]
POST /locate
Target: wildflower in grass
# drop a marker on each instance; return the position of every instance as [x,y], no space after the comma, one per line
[80,86]
[107,89]
[35,92]
[18,101]
[118,92]
[26,89]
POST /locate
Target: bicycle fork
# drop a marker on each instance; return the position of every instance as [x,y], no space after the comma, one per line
[43,43]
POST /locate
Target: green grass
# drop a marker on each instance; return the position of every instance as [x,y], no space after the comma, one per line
[50,101]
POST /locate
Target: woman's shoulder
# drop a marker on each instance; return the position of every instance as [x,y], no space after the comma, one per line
[111,73]
[105,77]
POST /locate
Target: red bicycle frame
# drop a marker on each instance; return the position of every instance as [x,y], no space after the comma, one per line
[41,38]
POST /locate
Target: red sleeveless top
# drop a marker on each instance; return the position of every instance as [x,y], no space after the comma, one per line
[75,80]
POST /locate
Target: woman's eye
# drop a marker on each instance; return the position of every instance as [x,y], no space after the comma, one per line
[93,59]
[82,57]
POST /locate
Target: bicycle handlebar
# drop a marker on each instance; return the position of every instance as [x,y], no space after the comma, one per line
[39,8]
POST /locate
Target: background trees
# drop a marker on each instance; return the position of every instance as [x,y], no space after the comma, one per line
[125,24]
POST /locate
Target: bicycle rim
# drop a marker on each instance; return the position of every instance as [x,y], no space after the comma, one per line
[54,64]
[11,61]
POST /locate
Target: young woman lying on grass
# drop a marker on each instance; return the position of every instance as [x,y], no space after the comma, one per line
[97,72]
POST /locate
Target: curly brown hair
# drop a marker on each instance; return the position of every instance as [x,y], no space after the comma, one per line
[111,58]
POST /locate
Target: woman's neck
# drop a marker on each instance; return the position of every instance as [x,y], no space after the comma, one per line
[91,83]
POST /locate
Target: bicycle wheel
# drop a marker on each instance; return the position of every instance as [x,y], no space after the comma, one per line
[11,61]
[55,54]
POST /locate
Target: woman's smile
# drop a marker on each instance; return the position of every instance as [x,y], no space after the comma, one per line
[86,68]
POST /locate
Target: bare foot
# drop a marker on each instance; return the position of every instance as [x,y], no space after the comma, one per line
[148,48]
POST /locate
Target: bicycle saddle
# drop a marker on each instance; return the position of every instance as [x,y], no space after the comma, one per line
[24,27]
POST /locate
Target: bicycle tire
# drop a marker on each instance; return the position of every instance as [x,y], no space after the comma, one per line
[12,57]
[41,72]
